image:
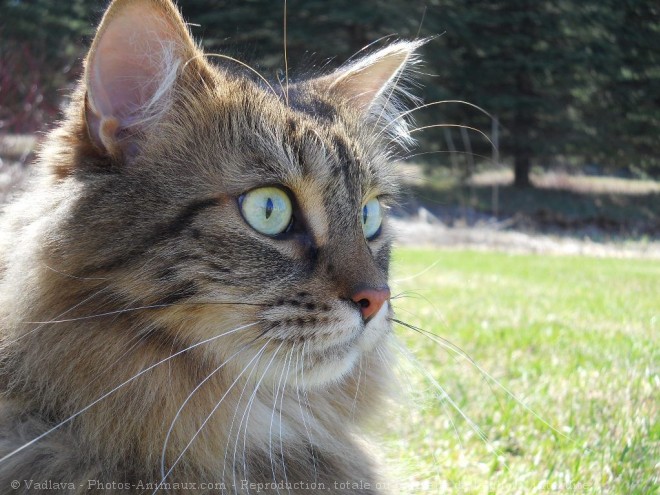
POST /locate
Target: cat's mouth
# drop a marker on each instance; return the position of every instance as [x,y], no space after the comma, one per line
[323,327]
[329,346]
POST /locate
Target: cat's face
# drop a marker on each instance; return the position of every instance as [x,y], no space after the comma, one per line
[232,207]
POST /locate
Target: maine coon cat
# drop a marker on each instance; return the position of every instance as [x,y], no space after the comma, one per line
[194,291]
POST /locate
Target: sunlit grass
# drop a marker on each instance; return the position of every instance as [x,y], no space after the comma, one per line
[575,339]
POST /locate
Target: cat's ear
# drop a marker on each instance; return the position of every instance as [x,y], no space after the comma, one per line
[131,69]
[372,81]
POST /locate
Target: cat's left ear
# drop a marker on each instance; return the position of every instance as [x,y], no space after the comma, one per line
[374,82]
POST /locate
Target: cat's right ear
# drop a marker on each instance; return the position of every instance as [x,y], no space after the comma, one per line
[131,69]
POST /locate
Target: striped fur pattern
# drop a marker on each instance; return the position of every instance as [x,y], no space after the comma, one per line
[147,333]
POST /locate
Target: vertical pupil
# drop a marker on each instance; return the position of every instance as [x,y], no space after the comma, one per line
[269,208]
[365,212]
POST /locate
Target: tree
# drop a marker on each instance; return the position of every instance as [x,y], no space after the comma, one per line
[510,57]
[42,44]
[619,94]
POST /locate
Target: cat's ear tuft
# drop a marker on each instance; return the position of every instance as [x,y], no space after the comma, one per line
[131,69]
[364,82]
[378,85]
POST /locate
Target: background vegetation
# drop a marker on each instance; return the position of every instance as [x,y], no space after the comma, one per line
[570,84]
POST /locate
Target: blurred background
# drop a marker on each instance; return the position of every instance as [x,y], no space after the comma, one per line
[564,158]
[570,93]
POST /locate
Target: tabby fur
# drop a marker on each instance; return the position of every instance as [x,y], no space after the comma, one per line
[128,257]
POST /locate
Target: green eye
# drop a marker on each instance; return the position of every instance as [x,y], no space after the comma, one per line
[372,217]
[268,210]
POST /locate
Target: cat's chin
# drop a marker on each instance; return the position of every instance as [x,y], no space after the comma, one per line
[327,365]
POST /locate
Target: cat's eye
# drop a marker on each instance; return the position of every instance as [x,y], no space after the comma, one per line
[267,210]
[372,217]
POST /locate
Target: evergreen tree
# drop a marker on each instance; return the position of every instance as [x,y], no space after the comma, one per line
[43,42]
[511,58]
[619,94]
[571,79]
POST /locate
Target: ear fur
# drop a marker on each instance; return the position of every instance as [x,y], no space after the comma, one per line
[376,85]
[366,81]
[131,69]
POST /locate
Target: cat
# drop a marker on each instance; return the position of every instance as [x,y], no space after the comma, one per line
[194,290]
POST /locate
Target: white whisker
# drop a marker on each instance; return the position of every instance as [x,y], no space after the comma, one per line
[290,359]
[215,408]
[246,415]
[357,387]
[302,413]
[272,418]
[43,323]
[187,399]
[462,354]
[427,105]
[107,394]
[243,64]
[460,126]
[442,399]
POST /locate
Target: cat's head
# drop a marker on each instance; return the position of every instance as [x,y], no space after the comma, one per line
[231,205]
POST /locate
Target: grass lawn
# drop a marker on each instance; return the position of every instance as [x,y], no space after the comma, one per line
[576,339]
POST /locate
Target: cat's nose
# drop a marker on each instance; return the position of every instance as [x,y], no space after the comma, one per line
[370,301]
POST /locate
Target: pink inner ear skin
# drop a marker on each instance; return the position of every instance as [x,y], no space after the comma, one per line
[136,53]
[365,81]
[127,65]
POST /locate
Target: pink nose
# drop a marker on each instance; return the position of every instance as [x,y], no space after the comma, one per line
[370,301]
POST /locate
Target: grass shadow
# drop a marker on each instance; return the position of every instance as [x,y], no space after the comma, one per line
[592,213]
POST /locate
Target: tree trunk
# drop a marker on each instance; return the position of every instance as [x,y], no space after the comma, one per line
[521,166]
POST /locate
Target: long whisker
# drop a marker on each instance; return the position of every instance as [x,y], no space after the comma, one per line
[357,388]
[302,413]
[140,308]
[426,105]
[446,397]
[288,370]
[233,419]
[227,57]
[461,353]
[246,413]
[457,152]
[107,394]
[460,126]
[43,323]
[272,418]
[215,408]
[456,352]
[185,402]
[419,274]
[411,359]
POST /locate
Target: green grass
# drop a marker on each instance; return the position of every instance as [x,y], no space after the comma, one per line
[574,338]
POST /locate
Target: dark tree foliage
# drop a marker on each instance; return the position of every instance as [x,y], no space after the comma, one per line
[619,90]
[42,43]
[318,32]
[569,82]
[511,58]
